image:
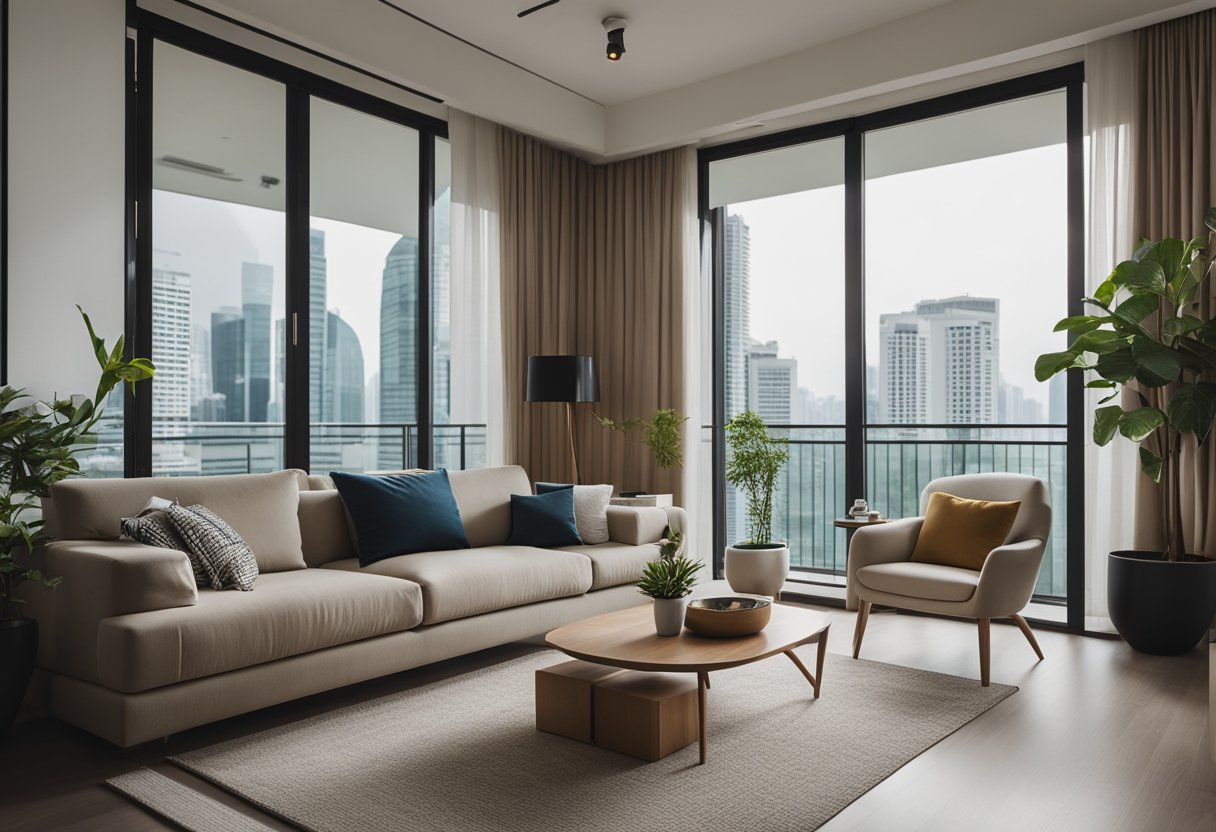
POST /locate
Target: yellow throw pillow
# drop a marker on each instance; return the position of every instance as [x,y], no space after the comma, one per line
[961,532]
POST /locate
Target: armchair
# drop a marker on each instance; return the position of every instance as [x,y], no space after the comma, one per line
[880,569]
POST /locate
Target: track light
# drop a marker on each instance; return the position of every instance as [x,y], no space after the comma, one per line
[615,27]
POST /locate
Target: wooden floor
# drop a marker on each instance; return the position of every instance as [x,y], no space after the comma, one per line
[1098,738]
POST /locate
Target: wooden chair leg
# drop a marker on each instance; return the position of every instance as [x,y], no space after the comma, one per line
[1026,631]
[985,649]
[863,616]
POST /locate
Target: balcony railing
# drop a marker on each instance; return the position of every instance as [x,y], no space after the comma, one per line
[205,448]
[900,462]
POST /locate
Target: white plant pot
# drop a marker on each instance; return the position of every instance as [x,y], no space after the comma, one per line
[669,615]
[757,571]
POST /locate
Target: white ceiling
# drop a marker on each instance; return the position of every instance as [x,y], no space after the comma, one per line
[668,43]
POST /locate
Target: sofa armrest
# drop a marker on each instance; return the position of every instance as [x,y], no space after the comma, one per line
[1008,577]
[637,526]
[101,578]
[886,543]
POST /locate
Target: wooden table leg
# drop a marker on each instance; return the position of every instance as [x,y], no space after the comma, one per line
[702,687]
[819,657]
[798,664]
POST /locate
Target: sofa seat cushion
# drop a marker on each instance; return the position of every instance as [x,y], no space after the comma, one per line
[287,613]
[920,580]
[613,564]
[465,582]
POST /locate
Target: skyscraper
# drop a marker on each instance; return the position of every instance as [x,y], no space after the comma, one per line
[171,345]
[398,349]
[939,363]
[318,331]
[736,276]
[257,287]
[343,391]
[228,362]
[772,384]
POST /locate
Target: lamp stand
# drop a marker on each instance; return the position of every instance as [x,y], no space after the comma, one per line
[570,431]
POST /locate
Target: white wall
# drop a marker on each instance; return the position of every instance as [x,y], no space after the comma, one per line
[66,177]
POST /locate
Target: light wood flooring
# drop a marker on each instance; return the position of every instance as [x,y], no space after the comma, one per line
[1098,738]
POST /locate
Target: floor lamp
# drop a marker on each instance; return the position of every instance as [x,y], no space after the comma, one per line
[563,378]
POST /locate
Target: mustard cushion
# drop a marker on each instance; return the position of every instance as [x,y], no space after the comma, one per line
[961,532]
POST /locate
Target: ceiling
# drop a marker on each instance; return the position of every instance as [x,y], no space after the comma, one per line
[669,43]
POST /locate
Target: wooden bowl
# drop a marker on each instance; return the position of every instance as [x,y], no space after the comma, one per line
[728,616]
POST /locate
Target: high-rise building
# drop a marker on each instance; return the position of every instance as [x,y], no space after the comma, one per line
[171,345]
[318,331]
[343,391]
[1057,400]
[398,351]
[939,363]
[772,384]
[257,288]
[736,278]
[228,362]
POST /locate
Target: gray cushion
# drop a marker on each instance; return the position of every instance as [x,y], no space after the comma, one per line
[466,582]
[214,548]
[483,496]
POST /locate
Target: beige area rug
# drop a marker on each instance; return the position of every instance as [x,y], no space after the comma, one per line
[463,754]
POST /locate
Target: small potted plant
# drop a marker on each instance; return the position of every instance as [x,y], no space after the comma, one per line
[1150,334]
[38,445]
[668,581]
[662,433]
[759,565]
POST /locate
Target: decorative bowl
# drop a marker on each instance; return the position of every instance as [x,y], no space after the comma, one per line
[728,616]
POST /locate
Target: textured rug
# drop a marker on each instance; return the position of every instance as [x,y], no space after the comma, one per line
[463,754]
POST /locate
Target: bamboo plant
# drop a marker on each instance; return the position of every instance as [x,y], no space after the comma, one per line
[755,462]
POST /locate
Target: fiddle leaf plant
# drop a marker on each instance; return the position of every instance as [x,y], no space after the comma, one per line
[38,445]
[1150,332]
[674,574]
[755,462]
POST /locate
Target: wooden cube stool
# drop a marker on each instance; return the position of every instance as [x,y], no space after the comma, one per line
[646,715]
[564,698]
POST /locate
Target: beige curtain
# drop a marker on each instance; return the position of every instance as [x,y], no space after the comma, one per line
[1175,185]
[593,263]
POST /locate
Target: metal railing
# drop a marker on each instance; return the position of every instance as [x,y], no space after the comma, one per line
[900,462]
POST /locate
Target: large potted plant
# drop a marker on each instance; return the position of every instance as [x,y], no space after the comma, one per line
[759,565]
[1150,336]
[38,445]
[668,581]
[662,433]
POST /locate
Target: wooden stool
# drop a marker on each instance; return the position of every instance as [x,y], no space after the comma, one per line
[646,715]
[564,698]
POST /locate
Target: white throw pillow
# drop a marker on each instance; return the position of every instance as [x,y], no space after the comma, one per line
[591,512]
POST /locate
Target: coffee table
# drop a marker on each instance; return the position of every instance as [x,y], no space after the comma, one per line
[627,639]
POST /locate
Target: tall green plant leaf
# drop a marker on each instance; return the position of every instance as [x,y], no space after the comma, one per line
[1150,464]
[1156,364]
[1139,424]
[1106,423]
[1192,408]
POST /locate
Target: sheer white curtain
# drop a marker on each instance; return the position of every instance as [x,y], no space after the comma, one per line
[476,375]
[1110,482]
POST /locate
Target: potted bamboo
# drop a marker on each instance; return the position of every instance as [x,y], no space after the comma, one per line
[1151,336]
[759,565]
[38,445]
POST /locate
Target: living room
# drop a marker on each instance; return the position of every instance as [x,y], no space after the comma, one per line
[439,415]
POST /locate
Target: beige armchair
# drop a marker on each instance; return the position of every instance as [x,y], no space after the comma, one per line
[881,572]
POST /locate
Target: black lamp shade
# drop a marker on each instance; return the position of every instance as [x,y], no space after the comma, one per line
[562,378]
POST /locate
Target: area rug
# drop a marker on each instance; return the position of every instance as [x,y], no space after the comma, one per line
[464,754]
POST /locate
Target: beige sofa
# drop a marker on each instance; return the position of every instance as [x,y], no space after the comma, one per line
[131,650]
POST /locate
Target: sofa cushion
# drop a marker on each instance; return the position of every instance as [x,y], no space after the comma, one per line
[544,520]
[590,508]
[484,498]
[613,564]
[260,507]
[921,580]
[467,582]
[961,532]
[324,527]
[290,613]
[401,514]
[214,548]
[636,525]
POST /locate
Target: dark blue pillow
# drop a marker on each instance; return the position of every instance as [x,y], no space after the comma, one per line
[401,514]
[546,520]
[550,487]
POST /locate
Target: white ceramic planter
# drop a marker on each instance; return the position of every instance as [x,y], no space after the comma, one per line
[669,615]
[757,571]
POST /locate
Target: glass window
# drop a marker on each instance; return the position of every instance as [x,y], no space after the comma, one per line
[218,279]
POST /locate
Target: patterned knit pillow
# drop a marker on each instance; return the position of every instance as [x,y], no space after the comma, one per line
[224,555]
[153,528]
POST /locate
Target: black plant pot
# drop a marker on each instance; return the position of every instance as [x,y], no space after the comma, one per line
[18,648]
[1160,607]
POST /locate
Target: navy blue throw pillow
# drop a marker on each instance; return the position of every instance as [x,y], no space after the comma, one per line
[546,520]
[401,514]
[550,487]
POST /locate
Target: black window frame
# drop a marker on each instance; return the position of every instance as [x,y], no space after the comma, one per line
[300,87]
[1069,78]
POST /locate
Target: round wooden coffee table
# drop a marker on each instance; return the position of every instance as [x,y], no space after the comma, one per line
[627,639]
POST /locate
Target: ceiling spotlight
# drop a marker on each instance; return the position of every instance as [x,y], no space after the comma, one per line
[615,27]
